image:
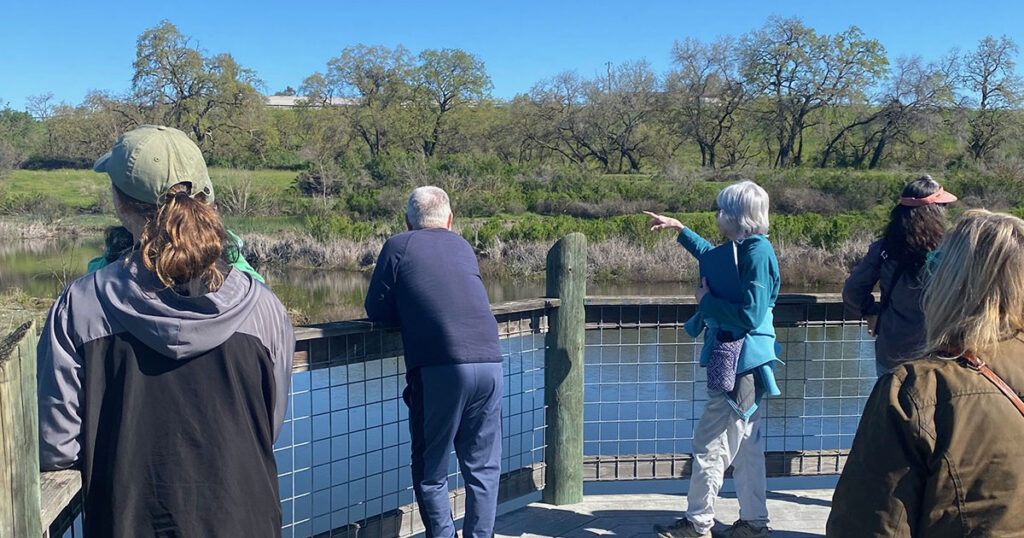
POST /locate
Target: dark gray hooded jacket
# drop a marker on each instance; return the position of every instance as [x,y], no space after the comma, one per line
[169,404]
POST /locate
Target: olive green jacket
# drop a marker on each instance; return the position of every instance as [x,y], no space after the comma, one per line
[939,453]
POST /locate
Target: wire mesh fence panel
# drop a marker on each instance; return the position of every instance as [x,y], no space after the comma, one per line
[645,390]
[344,451]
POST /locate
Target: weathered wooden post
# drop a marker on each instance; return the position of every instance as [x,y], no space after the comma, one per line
[19,438]
[563,371]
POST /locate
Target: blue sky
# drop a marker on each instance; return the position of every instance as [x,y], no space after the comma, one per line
[69,48]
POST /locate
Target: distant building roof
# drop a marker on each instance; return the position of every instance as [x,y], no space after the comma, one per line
[290,101]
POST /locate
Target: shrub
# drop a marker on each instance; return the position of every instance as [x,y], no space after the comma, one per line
[37,162]
[314,184]
[383,170]
[324,228]
[9,157]
[49,207]
[240,196]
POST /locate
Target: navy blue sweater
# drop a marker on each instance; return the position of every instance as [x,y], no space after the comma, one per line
[428,283]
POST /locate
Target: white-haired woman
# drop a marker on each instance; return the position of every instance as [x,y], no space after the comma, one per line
[735,312]
[938,448]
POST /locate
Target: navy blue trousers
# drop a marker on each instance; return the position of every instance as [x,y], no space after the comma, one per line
[456,404]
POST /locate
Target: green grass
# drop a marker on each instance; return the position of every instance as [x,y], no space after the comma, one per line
[75,188]
[80,189]
[266,225]
[277,181]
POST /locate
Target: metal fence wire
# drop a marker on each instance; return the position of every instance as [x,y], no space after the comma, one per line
[644,389]
[344,450]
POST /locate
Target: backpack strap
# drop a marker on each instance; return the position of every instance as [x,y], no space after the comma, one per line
[895,278]
[969,360]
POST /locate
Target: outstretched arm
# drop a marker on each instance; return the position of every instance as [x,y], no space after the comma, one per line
[693,242]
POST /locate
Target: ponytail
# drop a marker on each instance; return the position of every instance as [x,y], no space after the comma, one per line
[185,240]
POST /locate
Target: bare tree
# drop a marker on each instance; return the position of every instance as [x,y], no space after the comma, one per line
[800,72]
[619,110]
[41,108]
[558,122]
[993,89]
[913,95]
[705,92]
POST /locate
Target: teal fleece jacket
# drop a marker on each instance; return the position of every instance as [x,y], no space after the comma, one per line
[234,254]
[760,281]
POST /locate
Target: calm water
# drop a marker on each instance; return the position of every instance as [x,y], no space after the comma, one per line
[42,268]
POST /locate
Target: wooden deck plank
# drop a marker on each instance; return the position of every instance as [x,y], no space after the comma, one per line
[57,490]
[794,514]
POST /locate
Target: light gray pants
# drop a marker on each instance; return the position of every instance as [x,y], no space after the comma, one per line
[723,438]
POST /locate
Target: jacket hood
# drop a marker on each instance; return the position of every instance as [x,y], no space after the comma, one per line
[176,326]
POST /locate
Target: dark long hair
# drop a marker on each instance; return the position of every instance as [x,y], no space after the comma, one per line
[913,232]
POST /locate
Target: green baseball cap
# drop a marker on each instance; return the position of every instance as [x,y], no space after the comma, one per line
[150,159]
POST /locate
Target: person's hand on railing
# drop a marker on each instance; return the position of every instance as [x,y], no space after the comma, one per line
[660,222]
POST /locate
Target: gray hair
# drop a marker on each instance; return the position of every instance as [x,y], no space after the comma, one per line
[428,208]
[743,209]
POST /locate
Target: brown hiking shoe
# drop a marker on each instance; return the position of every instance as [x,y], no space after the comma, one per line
[682,528]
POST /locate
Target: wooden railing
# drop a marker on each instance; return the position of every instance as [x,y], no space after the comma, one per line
[19,442]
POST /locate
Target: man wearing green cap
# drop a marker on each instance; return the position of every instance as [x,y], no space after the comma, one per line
[168,153]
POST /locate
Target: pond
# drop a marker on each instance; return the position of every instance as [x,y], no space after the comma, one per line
[43,268]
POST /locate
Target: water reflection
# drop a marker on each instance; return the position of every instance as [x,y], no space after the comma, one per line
[42,268]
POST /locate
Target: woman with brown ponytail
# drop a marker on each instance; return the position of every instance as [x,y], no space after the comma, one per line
[164,376]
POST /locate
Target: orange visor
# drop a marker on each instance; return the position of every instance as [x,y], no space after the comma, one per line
[938,197]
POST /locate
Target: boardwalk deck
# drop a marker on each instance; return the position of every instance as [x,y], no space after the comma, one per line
[795,514]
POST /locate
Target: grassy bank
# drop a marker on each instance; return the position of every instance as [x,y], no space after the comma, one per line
[17,307]
[821,223]
[85,190]
[482,192]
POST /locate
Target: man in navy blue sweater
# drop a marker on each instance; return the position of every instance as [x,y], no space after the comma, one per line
[427,281]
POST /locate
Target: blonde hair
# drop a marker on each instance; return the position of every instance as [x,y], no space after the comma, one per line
[743,209]
[975,299]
